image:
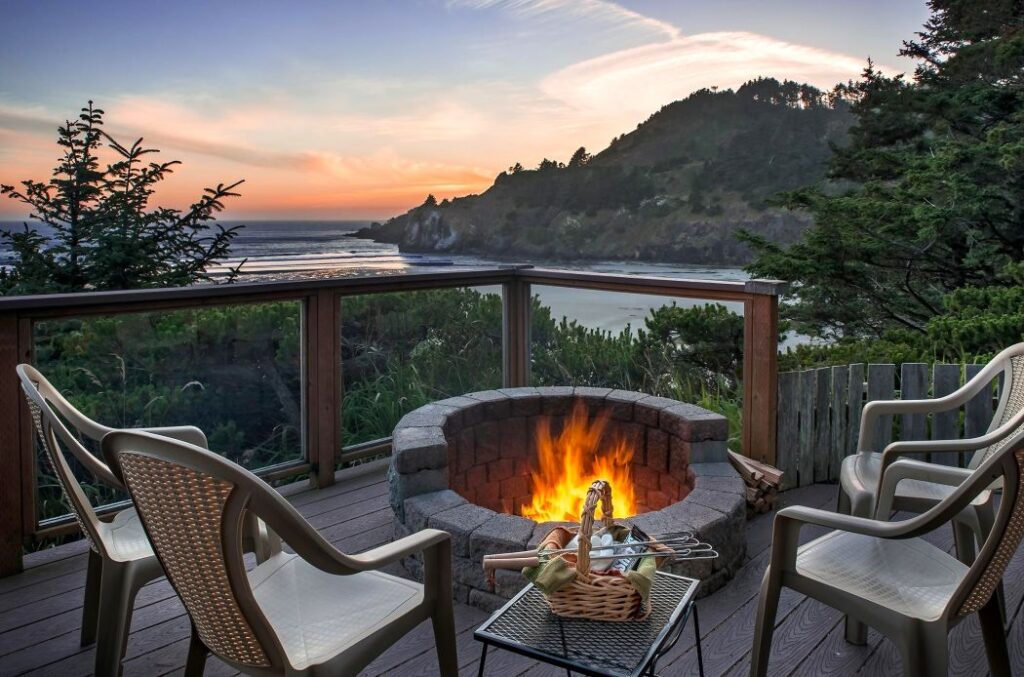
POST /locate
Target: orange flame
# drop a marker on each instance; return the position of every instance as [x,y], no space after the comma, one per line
[569,464]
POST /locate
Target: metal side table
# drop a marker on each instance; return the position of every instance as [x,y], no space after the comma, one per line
[526,626]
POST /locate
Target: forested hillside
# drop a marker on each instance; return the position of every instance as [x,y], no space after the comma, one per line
[677,188]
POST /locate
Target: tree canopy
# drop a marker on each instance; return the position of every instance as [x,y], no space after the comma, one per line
[927,196]
[100,231]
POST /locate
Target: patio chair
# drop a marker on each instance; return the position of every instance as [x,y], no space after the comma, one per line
[317,611]
[861,473]
[120,559]
[882,574]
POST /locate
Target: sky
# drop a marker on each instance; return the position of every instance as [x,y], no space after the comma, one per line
[359,109]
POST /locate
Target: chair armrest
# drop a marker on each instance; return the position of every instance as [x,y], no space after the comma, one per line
[403,547]
[876,408]
[796,516]
[182,433]
[908,469]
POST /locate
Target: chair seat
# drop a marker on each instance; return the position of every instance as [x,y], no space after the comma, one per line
[910,576]
[317,615]
[125,537]
[860,473]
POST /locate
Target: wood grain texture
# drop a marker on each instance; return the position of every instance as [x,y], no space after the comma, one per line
[881,384]
[945,424]
[806,403]
[787,434]
[822,423]
[760,376]
[913,386]
[840,412]
[12,450]
[856,400]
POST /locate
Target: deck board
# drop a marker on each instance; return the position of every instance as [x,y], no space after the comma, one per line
[40,610]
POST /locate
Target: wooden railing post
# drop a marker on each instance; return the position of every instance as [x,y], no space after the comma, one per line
[761,368]
[12,450]
[515,344]
[324,393]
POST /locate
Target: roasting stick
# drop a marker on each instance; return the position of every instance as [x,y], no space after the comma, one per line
[492,563]
[686,541]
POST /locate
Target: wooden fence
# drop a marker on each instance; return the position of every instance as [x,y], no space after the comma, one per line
[819,414]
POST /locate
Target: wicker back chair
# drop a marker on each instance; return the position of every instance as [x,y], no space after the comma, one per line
[318,611]
[121,559]
[882,574]
[861,475]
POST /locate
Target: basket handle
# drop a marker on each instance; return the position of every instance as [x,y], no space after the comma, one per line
[601,491]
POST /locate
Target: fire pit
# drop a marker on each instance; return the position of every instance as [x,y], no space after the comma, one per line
[499,468]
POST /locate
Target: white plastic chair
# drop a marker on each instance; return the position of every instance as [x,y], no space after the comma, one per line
[121,559]
[315,612]
[861,473]
[882,574]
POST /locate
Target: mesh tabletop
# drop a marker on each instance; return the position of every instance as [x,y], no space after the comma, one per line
[526,625]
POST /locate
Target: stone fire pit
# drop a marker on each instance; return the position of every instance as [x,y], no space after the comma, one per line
[464,465]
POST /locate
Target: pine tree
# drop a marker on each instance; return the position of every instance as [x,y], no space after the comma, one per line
[104,233]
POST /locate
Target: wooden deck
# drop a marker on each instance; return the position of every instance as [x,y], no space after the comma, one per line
[40,610]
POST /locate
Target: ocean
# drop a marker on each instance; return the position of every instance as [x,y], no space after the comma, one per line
[277,248]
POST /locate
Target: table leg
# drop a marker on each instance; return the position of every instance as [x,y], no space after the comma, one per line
[696,633]
[483,659]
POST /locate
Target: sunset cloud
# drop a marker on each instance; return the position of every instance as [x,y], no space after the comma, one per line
[370,131]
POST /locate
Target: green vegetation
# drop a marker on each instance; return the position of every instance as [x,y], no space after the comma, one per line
[916,246]
[235,371]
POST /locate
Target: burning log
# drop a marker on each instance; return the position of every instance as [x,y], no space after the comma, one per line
[762,482]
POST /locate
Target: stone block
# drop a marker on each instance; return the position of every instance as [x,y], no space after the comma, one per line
[661,524]
[500,533]
[418,509]
[514,442]
[542,529]
[415,449]
[678,457]
[403,486]
[657,499]
[469,572]
[508,583]
[620,404]
[476,476]
[465,458]
[486,601]
[694,424]
[708,451]
[524,401]
[556,400]
[733,486]
[425,416]
[671,486]
[515,487]
[501,469]
[488,442]
[644,477]
[496,405]
[732,504]
[633,435]
[656,452]
[723,469]
[460,521]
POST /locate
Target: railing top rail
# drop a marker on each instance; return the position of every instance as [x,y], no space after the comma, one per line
[654,284]
[370,282]
[351,284]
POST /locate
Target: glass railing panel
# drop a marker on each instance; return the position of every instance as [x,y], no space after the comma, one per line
[233,371]
[685,349]
[401,350]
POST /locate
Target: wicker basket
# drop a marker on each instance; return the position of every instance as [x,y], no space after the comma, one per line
[593,595]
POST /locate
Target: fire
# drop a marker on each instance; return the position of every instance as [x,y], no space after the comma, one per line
[569,464]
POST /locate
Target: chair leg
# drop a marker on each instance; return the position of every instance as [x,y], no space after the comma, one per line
[924,652]
[195,665]
[437,573]
[117,593]
[963,537]
[767,606]
[856,632]
[843,502]
[986,521]
[995,638]
[91,606]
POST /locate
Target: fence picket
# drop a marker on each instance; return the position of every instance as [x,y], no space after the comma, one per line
[856,406]
[788,429]
[840,419]
[913,386]
[822,423]
[945,424]
[881,385]
[805,468]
